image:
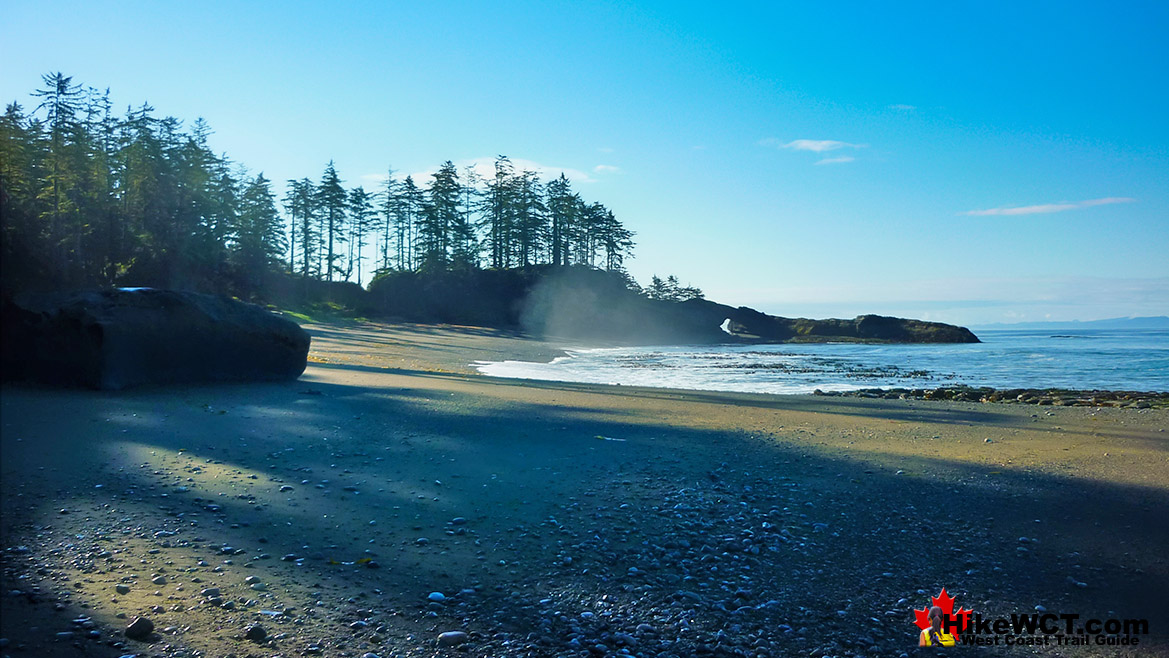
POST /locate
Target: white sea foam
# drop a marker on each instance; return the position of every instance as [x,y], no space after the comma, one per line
[1118,361]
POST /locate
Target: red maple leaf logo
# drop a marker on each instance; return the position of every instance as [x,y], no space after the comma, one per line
[946,603]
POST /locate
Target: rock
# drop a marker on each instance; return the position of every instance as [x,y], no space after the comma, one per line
[139,629]
[122,589]
[452,638]
[158,580]
[256,633]
[210,592]
[130,337]
[436,597]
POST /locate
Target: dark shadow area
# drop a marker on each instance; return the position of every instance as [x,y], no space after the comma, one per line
[668,540]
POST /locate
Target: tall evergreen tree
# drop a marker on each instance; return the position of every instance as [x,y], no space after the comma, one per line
[300,202]
[259,241]
[62,101]
[499,210]
[562,214]
[389,211]
[441,220]
[332,200]
[530,219]
[22,241]
[361,216]
[411,204]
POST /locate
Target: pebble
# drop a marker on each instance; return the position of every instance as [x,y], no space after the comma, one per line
[139,629]
[452,638]
[210,592]
[436,597]
[256,633]
[158,580]
[122,589]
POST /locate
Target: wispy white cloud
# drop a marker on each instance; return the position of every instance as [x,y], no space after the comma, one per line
[836,160]
[1048,207]
[605,149]
[903,107]
[606,169]
[369,180]
[814,145]
[1106,201]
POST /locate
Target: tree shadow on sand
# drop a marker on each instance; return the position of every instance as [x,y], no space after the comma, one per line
[549,529]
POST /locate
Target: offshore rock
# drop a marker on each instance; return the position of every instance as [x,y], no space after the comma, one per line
[140,336]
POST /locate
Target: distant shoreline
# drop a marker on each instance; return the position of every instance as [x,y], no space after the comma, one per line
[494,345]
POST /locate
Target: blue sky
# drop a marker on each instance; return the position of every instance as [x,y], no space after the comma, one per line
[969,163]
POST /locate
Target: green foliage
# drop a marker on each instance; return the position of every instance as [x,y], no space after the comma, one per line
[92,199]
[669,290]
[332,202]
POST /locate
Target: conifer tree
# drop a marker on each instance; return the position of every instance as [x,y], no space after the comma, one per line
[332,201]
[412,202]
[259,241]
[499,210]
[361,216]
[300,202]
[389,210]
[441,220]
[62,100]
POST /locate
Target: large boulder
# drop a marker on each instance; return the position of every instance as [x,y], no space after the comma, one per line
[138,336]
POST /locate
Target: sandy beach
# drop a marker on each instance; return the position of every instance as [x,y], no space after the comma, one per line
[392,494]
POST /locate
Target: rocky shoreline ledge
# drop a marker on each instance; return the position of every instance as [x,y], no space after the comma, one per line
[1056,397]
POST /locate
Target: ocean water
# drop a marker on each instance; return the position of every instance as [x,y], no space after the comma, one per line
[1107,360]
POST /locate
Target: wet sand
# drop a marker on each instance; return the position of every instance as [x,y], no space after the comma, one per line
[558,519]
